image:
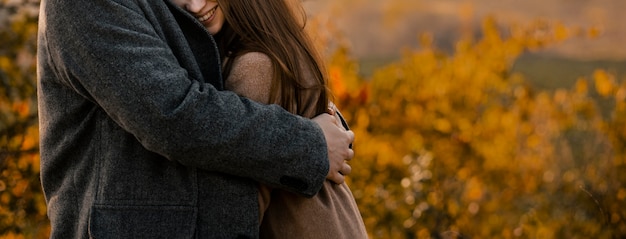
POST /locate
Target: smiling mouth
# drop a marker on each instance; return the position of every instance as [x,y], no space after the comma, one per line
[208,15]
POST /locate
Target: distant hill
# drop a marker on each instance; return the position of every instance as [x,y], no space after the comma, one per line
[377,28]
[549,72]
[544,72]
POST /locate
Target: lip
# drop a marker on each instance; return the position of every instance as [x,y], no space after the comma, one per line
[208,15]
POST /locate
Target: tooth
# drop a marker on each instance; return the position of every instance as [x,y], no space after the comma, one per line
[205,17]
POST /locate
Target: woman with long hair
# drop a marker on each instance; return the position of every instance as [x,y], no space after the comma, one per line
[268,57]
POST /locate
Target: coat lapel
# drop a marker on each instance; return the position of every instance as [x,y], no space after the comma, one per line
[202,46]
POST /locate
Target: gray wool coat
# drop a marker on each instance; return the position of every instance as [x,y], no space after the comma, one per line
[139,141]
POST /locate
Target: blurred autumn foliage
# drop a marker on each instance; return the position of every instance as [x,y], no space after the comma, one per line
[459,146]
[22,206]
[448,145]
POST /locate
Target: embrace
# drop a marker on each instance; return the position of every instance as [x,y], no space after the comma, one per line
[189,119]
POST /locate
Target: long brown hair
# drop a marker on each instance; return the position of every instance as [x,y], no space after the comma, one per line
[271,27]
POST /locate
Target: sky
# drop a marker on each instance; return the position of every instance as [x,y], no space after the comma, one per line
[381,28]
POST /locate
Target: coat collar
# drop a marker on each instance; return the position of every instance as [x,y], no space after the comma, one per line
[203,45]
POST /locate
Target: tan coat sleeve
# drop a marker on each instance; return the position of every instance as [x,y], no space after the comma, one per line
[251,77]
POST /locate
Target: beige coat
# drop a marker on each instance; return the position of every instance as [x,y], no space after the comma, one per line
[332,213]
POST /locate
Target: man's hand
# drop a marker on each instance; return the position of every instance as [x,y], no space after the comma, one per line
[338,141]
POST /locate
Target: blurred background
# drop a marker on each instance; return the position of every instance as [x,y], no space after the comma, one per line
[380,28]
[377,31]
[474,118]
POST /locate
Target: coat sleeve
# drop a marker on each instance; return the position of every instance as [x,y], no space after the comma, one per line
[110,53]
[251,77]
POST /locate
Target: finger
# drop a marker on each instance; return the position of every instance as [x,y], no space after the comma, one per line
[346,169]
[350,142]
[330,111]
[350,155]
[350,135]
[337,178]
[332,108]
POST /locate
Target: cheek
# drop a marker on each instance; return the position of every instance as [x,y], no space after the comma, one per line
[219,22]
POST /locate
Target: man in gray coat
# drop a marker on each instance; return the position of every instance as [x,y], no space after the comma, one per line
[139,141]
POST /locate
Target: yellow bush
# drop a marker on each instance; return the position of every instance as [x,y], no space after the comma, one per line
[460,146]
[447,145]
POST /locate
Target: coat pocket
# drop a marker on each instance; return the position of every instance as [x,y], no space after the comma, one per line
[115,221]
